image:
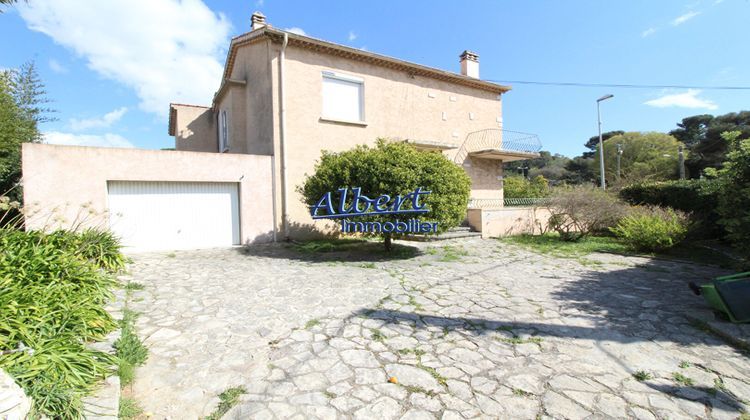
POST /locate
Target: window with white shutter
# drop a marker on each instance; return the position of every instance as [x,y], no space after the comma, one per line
[343,97]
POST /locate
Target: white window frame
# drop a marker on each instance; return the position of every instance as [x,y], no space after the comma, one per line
[223,131]
[327,74]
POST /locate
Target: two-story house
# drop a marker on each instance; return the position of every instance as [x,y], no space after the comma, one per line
[282,99]
[291,96]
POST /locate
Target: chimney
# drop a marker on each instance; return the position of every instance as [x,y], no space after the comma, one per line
[257,20]
[470,64]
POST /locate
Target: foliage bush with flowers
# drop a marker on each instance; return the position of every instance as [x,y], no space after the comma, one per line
[54,289]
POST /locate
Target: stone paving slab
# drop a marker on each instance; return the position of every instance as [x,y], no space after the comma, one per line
[497,332]
[207,318]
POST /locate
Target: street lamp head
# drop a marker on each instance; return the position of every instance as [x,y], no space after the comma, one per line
[605,97]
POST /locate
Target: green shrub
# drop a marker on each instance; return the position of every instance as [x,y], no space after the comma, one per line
[392,168]
[734,199]
[652,229]
[101,247]
[53,301]
[520,187]
[579,211]
[699,197]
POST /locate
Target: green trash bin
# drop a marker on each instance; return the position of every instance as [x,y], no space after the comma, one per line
[729,295]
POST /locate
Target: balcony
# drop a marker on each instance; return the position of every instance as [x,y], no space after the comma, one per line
[504,145]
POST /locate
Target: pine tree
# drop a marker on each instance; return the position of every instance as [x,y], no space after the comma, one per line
[22,108]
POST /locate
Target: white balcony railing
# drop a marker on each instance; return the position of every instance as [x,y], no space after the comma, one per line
[499,141]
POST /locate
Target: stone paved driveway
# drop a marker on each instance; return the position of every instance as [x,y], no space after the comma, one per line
[470,329]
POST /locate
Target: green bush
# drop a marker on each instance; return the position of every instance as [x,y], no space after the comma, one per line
[520,187]
[652,229]
[577,212]
[102,248]
[52,301]
[392,168]
[734,199]
[699,197]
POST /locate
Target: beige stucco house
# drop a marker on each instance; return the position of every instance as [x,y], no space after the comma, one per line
[283,98]
[291,96]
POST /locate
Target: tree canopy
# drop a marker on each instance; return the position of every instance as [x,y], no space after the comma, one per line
[548,165]
[593,143]
[519,187]
[645,156]
[702,134]
[22,109]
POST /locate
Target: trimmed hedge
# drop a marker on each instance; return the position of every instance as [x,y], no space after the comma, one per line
[699,197]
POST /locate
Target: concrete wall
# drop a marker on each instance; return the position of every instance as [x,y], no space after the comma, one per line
[63,184]
[195,129]
[485,174]
[494,223]
[254,65]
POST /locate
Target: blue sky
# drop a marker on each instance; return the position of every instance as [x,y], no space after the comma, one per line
[112,67]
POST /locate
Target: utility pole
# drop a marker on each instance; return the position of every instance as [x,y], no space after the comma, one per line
[682,162]
[619,153]
[601,142]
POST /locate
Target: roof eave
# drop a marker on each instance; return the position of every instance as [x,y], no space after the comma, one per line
[277,35]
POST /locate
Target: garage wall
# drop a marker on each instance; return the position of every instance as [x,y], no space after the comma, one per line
[67,185]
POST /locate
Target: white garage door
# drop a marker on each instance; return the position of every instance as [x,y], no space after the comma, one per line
[174,215]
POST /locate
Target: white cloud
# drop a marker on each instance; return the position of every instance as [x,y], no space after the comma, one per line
[352,36]
[165,50]
[296,30]
[56,66]
[648,32]
[679,20]
[70,139]
[105,121]
[687,99]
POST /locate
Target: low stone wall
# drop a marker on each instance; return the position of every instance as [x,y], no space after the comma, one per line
[494,223]
[14,404]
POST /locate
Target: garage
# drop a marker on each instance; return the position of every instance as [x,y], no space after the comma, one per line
[150,215]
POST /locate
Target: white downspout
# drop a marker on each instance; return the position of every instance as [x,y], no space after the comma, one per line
[273,196]
[282,138]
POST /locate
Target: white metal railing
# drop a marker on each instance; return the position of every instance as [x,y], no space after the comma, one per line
[495,138]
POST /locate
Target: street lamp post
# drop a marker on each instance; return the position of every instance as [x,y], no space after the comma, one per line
[619,155]
[601,143]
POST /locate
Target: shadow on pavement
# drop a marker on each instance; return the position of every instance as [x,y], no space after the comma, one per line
[332,250]
[645,303]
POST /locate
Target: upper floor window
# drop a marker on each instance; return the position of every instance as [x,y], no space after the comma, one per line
[223,131]
[343,97]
